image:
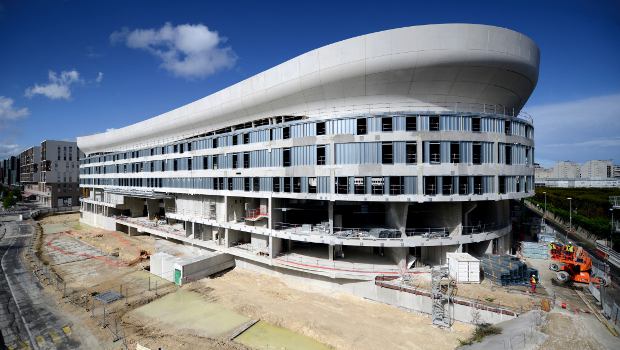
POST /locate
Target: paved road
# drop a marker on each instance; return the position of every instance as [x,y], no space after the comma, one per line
[30,318]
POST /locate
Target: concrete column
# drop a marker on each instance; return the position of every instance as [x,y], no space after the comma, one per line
[226,238]
[330,252]
[398,255]
[152,207]
[396,216]
[330,216]
[270,211]
[226,208]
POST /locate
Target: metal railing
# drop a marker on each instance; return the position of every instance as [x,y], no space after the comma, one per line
[384,233]
[349,267]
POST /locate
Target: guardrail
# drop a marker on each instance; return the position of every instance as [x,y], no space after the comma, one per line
[611,255]
[384,233]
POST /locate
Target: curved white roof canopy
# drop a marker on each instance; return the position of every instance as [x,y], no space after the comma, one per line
[394,70]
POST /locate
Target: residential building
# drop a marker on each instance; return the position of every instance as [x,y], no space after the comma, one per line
[10,171]
[597,169]
[363,157]
[29,165]
[59,183]
[591,174]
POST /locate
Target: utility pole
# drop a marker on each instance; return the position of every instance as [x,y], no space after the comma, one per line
[570,214]
[545,213]
[611,232]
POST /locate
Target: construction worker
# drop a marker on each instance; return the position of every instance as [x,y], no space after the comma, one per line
[569,247]
[552,246]
[533,283]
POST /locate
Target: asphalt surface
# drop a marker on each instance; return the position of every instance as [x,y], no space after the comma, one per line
[28,318]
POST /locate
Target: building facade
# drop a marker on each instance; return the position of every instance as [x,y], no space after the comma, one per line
[367,156]
[10,171]
[597,169]
[55,184]
[29,165]
[591,174]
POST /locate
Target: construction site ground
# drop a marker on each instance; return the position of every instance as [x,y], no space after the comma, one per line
[517,298]
[92,260]
[156,313]
[571,323]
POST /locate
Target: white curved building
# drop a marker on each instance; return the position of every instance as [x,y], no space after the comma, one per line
[348,161]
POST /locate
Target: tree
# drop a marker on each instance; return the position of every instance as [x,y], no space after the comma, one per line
[17,194]
[9,201]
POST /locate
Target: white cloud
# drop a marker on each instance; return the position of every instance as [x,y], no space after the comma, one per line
[188,51]
[8,149]
[9,112]
[58,87]
[99,78]
[578,130]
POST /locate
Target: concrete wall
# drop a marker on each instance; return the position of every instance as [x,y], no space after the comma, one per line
[259,241]
[437,255]
[97,220]
[135,205]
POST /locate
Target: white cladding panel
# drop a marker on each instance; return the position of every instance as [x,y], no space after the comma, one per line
[432,67]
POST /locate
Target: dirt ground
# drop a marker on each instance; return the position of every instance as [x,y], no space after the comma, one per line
[85,258]
[111,242]
[513,297]
[341,321]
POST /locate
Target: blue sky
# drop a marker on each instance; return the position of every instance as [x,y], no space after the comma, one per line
[112,80]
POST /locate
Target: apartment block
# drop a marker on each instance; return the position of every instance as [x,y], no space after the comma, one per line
[57,182]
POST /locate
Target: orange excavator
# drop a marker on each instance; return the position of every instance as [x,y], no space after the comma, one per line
[573,263]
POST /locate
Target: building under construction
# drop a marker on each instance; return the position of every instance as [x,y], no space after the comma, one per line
[368,156]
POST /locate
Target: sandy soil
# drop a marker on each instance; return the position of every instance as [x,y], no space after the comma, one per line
[110,242]
[341,321]
[513,297]
[80,255]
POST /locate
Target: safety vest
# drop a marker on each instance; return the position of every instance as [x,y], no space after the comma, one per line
[571,248]
[533,280]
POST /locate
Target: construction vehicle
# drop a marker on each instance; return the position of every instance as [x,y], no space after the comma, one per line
[575,265]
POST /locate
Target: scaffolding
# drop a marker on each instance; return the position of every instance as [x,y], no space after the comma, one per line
[442,290]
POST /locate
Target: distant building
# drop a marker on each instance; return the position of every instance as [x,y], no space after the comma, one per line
[616,171]
[591,174]
[56,183]
[10,171]
[597,169]
[29,165]
[566,170]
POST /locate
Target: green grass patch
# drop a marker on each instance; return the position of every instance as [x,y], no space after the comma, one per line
[482,330]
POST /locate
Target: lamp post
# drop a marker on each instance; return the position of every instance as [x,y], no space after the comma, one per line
[611,232]
[570,214]
[545,213]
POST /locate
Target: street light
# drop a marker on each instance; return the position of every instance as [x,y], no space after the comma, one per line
[611,233]
[545,213]
[570,214]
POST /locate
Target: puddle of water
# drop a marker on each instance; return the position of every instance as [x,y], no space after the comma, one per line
[189,311]
[266,336]
[55,228]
